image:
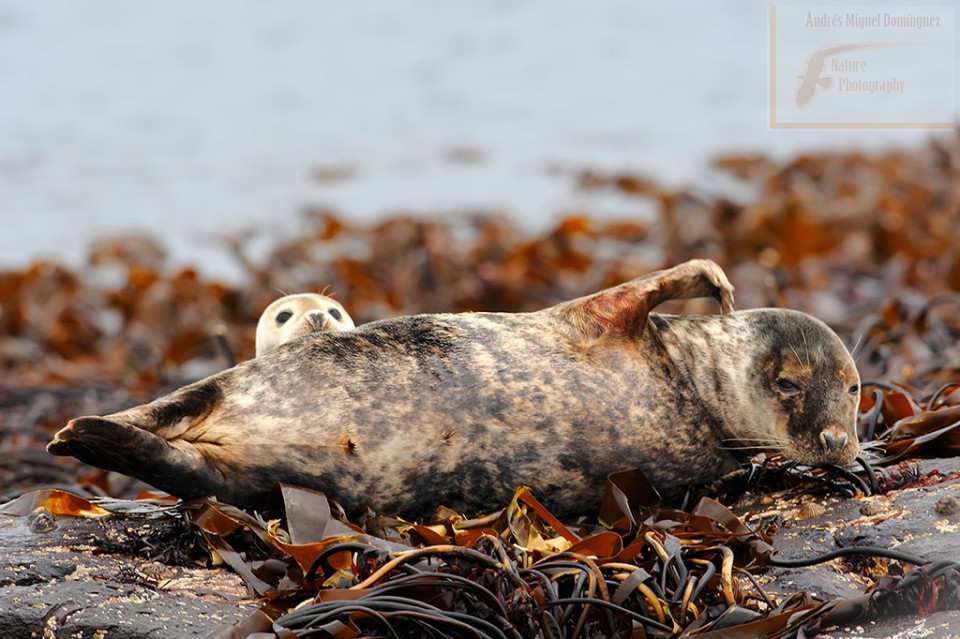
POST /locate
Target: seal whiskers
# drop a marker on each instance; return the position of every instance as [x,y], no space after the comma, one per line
[756,445]
[799,361]
[853,351]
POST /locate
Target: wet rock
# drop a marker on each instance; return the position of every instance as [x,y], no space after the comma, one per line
[60,583]
[939,625]
[908,521]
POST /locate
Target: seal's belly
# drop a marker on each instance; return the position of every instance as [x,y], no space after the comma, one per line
[464,421]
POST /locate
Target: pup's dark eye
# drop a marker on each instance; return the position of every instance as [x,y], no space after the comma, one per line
[283,316]
[853,390]
[787,386]
[334,313]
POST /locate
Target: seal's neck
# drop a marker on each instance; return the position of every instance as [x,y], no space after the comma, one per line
[716,354]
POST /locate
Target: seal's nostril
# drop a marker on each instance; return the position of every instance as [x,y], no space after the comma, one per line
[832,443]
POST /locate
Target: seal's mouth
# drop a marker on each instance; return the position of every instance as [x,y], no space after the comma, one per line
[317,323]
[840,451]
[839,445]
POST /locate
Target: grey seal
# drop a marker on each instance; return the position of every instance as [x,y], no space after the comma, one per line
[411,412]
[294,315]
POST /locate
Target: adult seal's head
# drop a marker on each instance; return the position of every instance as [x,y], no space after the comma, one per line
[777,380]
[294,315]
[808,382]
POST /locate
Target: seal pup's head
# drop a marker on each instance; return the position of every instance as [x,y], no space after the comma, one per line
[804,384]
[294,315]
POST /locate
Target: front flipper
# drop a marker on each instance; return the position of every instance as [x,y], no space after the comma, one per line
[623,310]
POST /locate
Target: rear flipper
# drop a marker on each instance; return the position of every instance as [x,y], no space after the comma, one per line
[127,449]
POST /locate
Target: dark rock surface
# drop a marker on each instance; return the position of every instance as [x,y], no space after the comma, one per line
[939,625]
[918,520]
[57,583]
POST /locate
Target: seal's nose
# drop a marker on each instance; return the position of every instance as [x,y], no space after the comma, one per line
[832,443]
[317,320]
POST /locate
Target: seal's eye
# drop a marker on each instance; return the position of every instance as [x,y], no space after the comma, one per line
[853,390]
[335,314]
[787,386]
[283,316]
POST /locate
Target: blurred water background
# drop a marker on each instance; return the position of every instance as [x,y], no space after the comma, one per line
[190,120]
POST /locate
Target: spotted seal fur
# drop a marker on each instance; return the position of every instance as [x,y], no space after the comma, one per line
[460,409]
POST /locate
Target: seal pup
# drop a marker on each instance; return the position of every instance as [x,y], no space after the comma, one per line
[294,315]
[412,412]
